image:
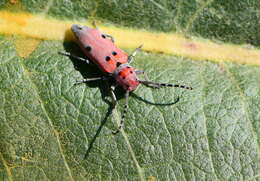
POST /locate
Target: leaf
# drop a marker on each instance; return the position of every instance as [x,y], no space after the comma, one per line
[48,125]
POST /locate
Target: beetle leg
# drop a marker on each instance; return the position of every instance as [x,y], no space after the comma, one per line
[90,79]
[106,35]
[74,56]
[132,55]
[111,37]
[121,124]
[142,72]
[113,96]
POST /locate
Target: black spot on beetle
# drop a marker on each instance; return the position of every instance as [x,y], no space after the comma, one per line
[108,58]
[114,53]
[88,48]
[103,36]
[120,75]
[131,72]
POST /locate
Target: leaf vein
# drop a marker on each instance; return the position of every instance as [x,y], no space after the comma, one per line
[49,120]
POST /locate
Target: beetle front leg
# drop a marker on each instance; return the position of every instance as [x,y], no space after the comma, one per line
[121,123]
[142,72]
[113,96]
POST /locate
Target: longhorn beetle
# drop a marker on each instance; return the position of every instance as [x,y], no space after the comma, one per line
[113,62]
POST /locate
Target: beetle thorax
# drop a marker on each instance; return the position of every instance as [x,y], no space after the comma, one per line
[125,76]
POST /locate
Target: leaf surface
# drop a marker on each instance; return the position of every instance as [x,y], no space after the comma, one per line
[48,125]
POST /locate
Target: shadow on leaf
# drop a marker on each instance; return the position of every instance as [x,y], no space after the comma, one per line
[152,103]
[90,71]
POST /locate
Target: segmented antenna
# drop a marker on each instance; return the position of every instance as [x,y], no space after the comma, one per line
[159,85]
[123,114]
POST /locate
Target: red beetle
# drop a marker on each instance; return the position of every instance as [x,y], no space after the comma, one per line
[114,62]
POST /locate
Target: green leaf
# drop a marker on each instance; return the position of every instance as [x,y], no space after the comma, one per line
[229,21]
[48,125]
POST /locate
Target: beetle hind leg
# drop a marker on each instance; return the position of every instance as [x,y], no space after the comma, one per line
[74,56]
[89,80]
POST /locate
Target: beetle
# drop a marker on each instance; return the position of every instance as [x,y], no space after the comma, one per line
[101,50]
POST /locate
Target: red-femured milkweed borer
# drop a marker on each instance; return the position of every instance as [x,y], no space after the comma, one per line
[113,62]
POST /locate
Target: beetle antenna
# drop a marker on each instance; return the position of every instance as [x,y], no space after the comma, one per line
[123,114]
[159,85]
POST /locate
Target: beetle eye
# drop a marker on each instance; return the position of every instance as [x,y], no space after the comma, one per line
[88,48]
